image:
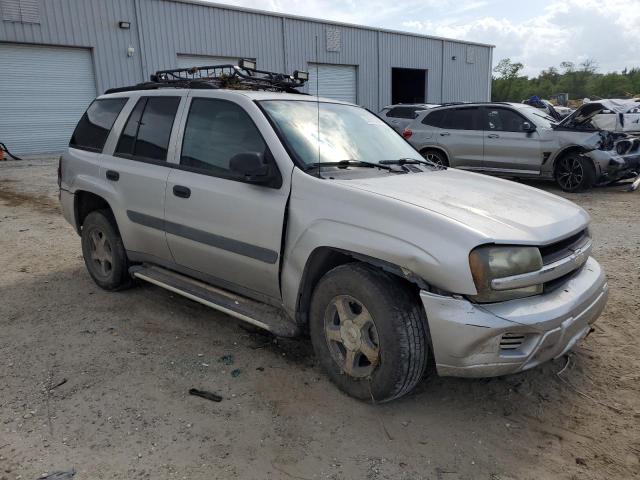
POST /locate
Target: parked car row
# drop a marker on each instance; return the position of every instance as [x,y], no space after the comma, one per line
[518,140]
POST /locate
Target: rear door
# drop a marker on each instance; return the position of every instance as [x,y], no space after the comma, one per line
[217,224]
[136,170]
[507,147]
[460,134]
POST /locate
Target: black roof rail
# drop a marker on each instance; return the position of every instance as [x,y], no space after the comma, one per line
[244,76]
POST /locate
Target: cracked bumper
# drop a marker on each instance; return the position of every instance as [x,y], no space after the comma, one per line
[469,339]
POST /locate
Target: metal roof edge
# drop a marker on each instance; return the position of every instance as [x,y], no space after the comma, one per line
[225,6]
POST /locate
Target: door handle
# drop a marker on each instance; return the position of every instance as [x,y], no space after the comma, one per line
[445,134]
[182,192]
[113,175]
[493,135]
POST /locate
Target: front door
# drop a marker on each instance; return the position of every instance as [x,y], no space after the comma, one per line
[507,147]
[216,223]
[460,134]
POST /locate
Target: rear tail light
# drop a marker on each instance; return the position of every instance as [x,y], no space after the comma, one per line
[407,133]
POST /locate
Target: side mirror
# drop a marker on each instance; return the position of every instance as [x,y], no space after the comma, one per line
[252,167]
[528,128]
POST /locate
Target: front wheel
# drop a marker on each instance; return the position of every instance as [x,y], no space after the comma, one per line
[369,333]
[575,173]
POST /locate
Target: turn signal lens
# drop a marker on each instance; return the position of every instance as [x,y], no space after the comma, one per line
[407,133]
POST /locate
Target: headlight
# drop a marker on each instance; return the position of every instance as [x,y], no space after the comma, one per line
[490,262]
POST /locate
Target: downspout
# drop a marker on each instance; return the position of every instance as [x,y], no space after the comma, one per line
[378,102]
[143,55]
[442,75]
[490,76]
[284,46]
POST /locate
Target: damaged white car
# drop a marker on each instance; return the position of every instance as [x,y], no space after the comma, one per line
[516,140]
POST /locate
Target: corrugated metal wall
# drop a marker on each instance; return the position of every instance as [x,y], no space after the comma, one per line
[86,23]
[168,28]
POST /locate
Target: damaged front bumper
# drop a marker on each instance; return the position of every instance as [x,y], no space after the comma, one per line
[472,340]
[614,167]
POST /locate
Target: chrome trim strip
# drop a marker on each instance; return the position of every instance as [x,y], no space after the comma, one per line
[546,273]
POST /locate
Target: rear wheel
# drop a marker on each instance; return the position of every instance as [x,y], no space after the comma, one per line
[575,173]
[103,251]
[368,332]
[436,157]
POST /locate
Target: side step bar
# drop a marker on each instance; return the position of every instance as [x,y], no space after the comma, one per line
[261,315]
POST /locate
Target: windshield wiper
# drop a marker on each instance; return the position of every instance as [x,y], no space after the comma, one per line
[351,163]
[411,161]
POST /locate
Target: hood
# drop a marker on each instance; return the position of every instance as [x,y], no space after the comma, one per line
[585,113]
[500,210]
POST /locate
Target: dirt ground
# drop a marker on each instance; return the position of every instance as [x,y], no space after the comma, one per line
[128,359]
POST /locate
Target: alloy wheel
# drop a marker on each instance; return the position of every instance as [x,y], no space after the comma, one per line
[570,173]
[101,252]
[352,336]
[434,158]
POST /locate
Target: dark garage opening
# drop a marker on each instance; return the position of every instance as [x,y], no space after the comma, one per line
[408,85]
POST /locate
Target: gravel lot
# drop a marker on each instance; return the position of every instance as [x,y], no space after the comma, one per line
[129,359]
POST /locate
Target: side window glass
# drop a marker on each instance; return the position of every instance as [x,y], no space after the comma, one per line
[146,134]
[93,128]
[130,132]
[434,119]
[461,119]
[503,120]
[403,112]
[215,131]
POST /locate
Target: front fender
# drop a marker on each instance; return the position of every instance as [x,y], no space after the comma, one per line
[341,236]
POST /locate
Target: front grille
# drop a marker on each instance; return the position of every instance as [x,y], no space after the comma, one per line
[563,248]
[511,341]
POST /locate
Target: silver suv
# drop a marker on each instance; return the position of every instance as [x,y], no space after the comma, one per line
[238,198]
[400,116]
[517,140]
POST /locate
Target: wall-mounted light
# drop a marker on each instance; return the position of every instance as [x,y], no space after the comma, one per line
[454,58]
[124,25]
[130,51]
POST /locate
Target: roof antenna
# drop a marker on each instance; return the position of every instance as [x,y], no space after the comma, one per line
[318,102]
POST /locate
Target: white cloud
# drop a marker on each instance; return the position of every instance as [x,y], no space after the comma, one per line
[573,30]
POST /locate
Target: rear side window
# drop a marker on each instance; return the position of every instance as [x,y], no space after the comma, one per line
[462,119]
[434,119]
[93,128]
[403,112]
[216,130]
[146,133]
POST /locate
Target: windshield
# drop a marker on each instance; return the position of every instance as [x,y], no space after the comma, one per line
[346,132]
[538,116]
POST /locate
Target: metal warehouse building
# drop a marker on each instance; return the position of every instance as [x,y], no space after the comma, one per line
[57,55]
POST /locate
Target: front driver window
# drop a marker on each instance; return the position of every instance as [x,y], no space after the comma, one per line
[217,130]
[503,120]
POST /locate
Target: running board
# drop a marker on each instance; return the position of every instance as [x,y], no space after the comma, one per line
[268,317]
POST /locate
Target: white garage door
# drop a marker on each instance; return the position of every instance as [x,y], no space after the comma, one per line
[43,93]
[186,61]
[336,81]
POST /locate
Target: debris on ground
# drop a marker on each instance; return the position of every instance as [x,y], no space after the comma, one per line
[227,359]
[60,475]
[204,394]
[235,373]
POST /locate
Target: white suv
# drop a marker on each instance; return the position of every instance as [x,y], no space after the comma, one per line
[230,193]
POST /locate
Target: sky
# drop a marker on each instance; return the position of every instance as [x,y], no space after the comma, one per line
[538,33]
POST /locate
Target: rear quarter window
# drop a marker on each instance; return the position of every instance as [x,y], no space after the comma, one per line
[93,128]
[434,119]
[403,112]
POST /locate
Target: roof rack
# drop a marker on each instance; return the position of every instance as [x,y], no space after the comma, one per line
[244,76]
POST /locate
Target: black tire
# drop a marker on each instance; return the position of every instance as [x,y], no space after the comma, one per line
[399,324]
[103,251]
[436,156]
[575,173]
